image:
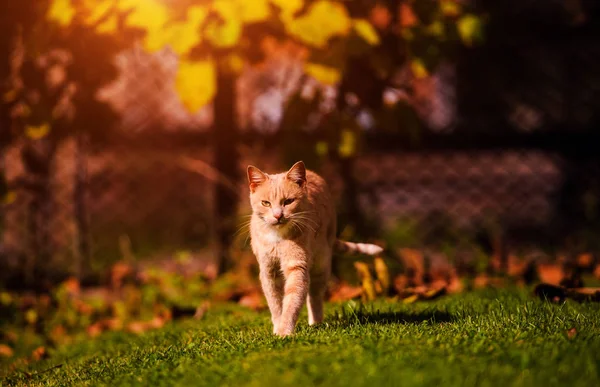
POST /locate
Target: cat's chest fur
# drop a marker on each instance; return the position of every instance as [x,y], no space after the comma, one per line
[273,236]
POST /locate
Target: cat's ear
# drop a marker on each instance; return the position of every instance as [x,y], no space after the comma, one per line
[255,177]
[297,173]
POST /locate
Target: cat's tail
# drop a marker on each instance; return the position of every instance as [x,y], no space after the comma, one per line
[353,248]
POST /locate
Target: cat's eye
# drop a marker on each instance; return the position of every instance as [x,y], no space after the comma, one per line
[288,202]
[265,203]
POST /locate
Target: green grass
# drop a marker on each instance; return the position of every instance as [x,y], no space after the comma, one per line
[489,338]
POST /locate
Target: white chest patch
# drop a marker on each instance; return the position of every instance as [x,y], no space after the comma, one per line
[273,235]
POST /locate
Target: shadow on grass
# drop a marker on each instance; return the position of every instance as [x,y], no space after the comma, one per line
[352,317]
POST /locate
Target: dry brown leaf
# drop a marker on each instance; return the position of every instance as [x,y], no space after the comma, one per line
[95,329]
[400,283]
[572,333]
[550,273]
[39,353]
[383,275]
[345,292]
[366,279]
[585,261]
[6,351]
[72,285]
[481,281]
[201,310]
[137,327]
[253,300]
[414,265]
[118,273]
[157,322]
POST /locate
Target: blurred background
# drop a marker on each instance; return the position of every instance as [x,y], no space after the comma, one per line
[466,129]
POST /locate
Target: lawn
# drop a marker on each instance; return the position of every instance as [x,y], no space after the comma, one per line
[485,338]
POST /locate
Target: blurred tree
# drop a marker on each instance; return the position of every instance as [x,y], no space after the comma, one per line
[355,45]
[49,79]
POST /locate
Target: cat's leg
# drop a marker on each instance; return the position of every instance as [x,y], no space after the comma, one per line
[316,297]
[295,270]
[271,281]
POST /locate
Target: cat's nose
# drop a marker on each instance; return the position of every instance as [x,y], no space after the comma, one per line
[277,213]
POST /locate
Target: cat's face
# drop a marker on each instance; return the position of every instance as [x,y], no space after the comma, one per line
[277,199]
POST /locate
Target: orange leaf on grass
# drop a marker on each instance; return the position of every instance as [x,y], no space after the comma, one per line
[345,292]
[6,351]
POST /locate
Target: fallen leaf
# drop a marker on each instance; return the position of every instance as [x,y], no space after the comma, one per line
[550,273]
[367,282]
[585,261]
[433,294]
[95,329]
[39,353]
[414,265]
[345,292]
[6,351]
[253,300]
[383,275]
[137,327]
[72,286]
[571,333]
[481,281]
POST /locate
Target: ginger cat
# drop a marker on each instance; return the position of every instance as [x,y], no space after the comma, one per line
[293,234]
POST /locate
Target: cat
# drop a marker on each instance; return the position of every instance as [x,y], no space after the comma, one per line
[293,234]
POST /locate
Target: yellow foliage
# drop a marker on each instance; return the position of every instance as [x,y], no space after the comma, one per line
[469,29]
[288,7]
[96,10]
[100,14]
[9,198]
[253,11]
[10,95]
[347,146]
[324,20]
[108,26]
[325,74]
[235,63]
[418,68]
[181,36]
[436,29]
[195,83]
[365,30]
[37,132]
[383,274]
[61,12]
[226,33]
[450,7]
[149,15]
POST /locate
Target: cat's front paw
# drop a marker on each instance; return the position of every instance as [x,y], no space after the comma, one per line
[283,331]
